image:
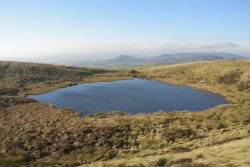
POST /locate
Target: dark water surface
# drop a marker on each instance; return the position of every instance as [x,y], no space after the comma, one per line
[132,96]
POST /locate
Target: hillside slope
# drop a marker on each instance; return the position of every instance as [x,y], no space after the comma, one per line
[34,133]
[228,77]
[18,79]
[232,153]
[14,73]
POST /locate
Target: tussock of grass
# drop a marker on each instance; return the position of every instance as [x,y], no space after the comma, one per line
[233,153]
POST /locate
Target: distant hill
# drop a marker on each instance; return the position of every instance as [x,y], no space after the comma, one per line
[125,58]
[118,62]
[129,61]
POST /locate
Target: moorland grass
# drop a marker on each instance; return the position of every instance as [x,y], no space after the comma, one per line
[53,136]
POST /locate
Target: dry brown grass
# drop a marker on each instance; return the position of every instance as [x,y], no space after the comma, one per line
[52,135]
[232,154]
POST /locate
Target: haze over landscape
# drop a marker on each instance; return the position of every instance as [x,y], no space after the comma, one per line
[124,83]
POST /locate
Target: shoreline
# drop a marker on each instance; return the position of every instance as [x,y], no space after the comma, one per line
[155,80]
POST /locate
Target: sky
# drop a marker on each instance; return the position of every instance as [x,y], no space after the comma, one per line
[94,29]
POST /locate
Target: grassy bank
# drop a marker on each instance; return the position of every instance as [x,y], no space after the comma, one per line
[229,78]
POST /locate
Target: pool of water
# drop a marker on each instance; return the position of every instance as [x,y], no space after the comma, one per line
[132,96]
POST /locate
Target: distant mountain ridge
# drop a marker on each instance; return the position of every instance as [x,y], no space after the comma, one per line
[129,61]
[197,54]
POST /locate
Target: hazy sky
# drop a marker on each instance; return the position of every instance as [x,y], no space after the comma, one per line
[99,28]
